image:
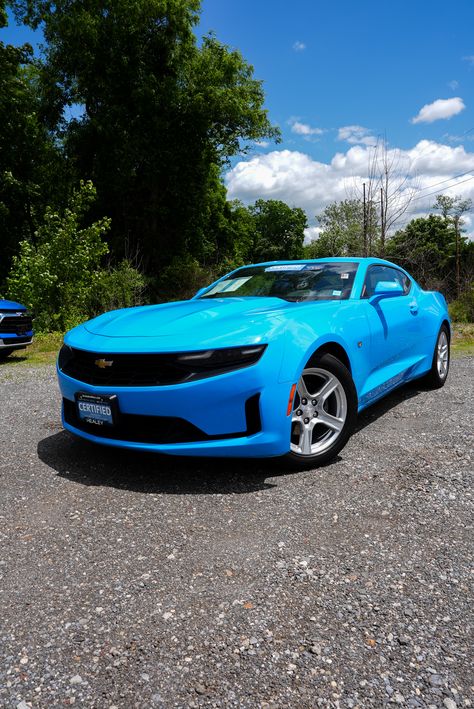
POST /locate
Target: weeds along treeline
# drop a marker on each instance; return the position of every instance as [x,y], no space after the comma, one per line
[113,144]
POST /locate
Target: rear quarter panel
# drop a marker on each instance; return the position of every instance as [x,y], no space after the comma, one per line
[434,311]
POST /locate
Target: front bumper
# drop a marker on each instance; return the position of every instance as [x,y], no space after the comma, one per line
[15,342]
[217,406]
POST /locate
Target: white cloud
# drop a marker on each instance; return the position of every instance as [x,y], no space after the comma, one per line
[304,129]
[458,138]
[311,233]
[301,181]
[469,59]
[299,46]
[262,143]
[442,108]
[453,85]
[356,135]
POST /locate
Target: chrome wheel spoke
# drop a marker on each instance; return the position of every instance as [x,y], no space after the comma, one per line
[306,439]
[328,388]
[332,422]
[303,390]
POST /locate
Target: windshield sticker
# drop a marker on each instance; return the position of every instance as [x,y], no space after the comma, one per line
[344,276]
[337,292]
[230,284]
[286,267]
[313,267]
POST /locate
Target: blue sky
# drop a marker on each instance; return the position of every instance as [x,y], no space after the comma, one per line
[364,63]
[339,74]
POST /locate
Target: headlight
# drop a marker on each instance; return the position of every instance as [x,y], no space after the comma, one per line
[229,358]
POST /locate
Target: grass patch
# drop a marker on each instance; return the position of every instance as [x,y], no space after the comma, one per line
[44,350]
[463,339]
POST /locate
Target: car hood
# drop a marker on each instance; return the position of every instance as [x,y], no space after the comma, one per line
[11,305]
[198,319]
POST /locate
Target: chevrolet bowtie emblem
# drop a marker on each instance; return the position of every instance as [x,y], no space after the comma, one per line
[103,363]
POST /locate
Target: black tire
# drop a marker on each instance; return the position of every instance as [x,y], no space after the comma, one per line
[436,377]
[4,353]
[337,369]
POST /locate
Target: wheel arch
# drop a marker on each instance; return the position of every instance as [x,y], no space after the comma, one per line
[448,327]
[336,350]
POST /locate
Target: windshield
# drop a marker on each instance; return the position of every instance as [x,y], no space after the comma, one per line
[291,281]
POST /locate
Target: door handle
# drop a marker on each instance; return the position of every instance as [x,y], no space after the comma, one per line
[414,308]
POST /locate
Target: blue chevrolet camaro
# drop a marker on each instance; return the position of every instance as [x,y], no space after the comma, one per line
[274,359]
[16,327]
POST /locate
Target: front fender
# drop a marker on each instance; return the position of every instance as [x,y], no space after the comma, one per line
[296,354]
[346,326]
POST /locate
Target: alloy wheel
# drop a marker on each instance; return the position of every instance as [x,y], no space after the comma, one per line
[320,412]
[442,355]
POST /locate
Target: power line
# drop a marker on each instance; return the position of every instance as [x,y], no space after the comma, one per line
[438,192]
[448,179]
[422,196]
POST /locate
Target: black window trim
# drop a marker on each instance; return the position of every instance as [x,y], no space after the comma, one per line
[394,268]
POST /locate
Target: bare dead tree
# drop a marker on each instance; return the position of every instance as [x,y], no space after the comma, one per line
[390,185]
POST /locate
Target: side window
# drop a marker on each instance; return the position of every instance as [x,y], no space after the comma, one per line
[375,274]
[406,283]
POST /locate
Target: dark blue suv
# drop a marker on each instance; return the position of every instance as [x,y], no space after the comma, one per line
[16,327]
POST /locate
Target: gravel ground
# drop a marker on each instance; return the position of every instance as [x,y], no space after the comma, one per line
[129,580]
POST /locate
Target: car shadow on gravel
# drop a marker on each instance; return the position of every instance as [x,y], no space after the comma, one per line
[17,359]
[89,464]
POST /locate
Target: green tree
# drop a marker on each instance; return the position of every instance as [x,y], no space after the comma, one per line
[452,209]
[341,230]
[160,115]
[278,231]
[28,156]
[56,275]
[427,249]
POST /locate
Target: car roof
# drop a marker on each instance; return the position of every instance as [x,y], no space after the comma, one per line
[338,259]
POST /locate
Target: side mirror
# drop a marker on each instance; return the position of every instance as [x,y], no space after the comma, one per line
[387,289]
[200,292]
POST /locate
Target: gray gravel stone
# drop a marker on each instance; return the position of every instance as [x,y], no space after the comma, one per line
[163,582]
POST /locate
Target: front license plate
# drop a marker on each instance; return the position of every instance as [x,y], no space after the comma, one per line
[96,409]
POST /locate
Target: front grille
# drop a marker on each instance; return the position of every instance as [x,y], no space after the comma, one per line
[136,428]
[16,324]
[128,370]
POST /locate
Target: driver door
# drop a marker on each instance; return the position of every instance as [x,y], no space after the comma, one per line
[392,320]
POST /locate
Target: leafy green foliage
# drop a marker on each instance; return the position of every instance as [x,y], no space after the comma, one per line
[278,231]
[427,248]
[120,287]
[342,231]
[181,280]
[462,309]
[55,277]
[28,157]
[161,115]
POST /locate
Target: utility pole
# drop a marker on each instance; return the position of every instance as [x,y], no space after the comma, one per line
[365,222]
[382,224]
[458,255]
